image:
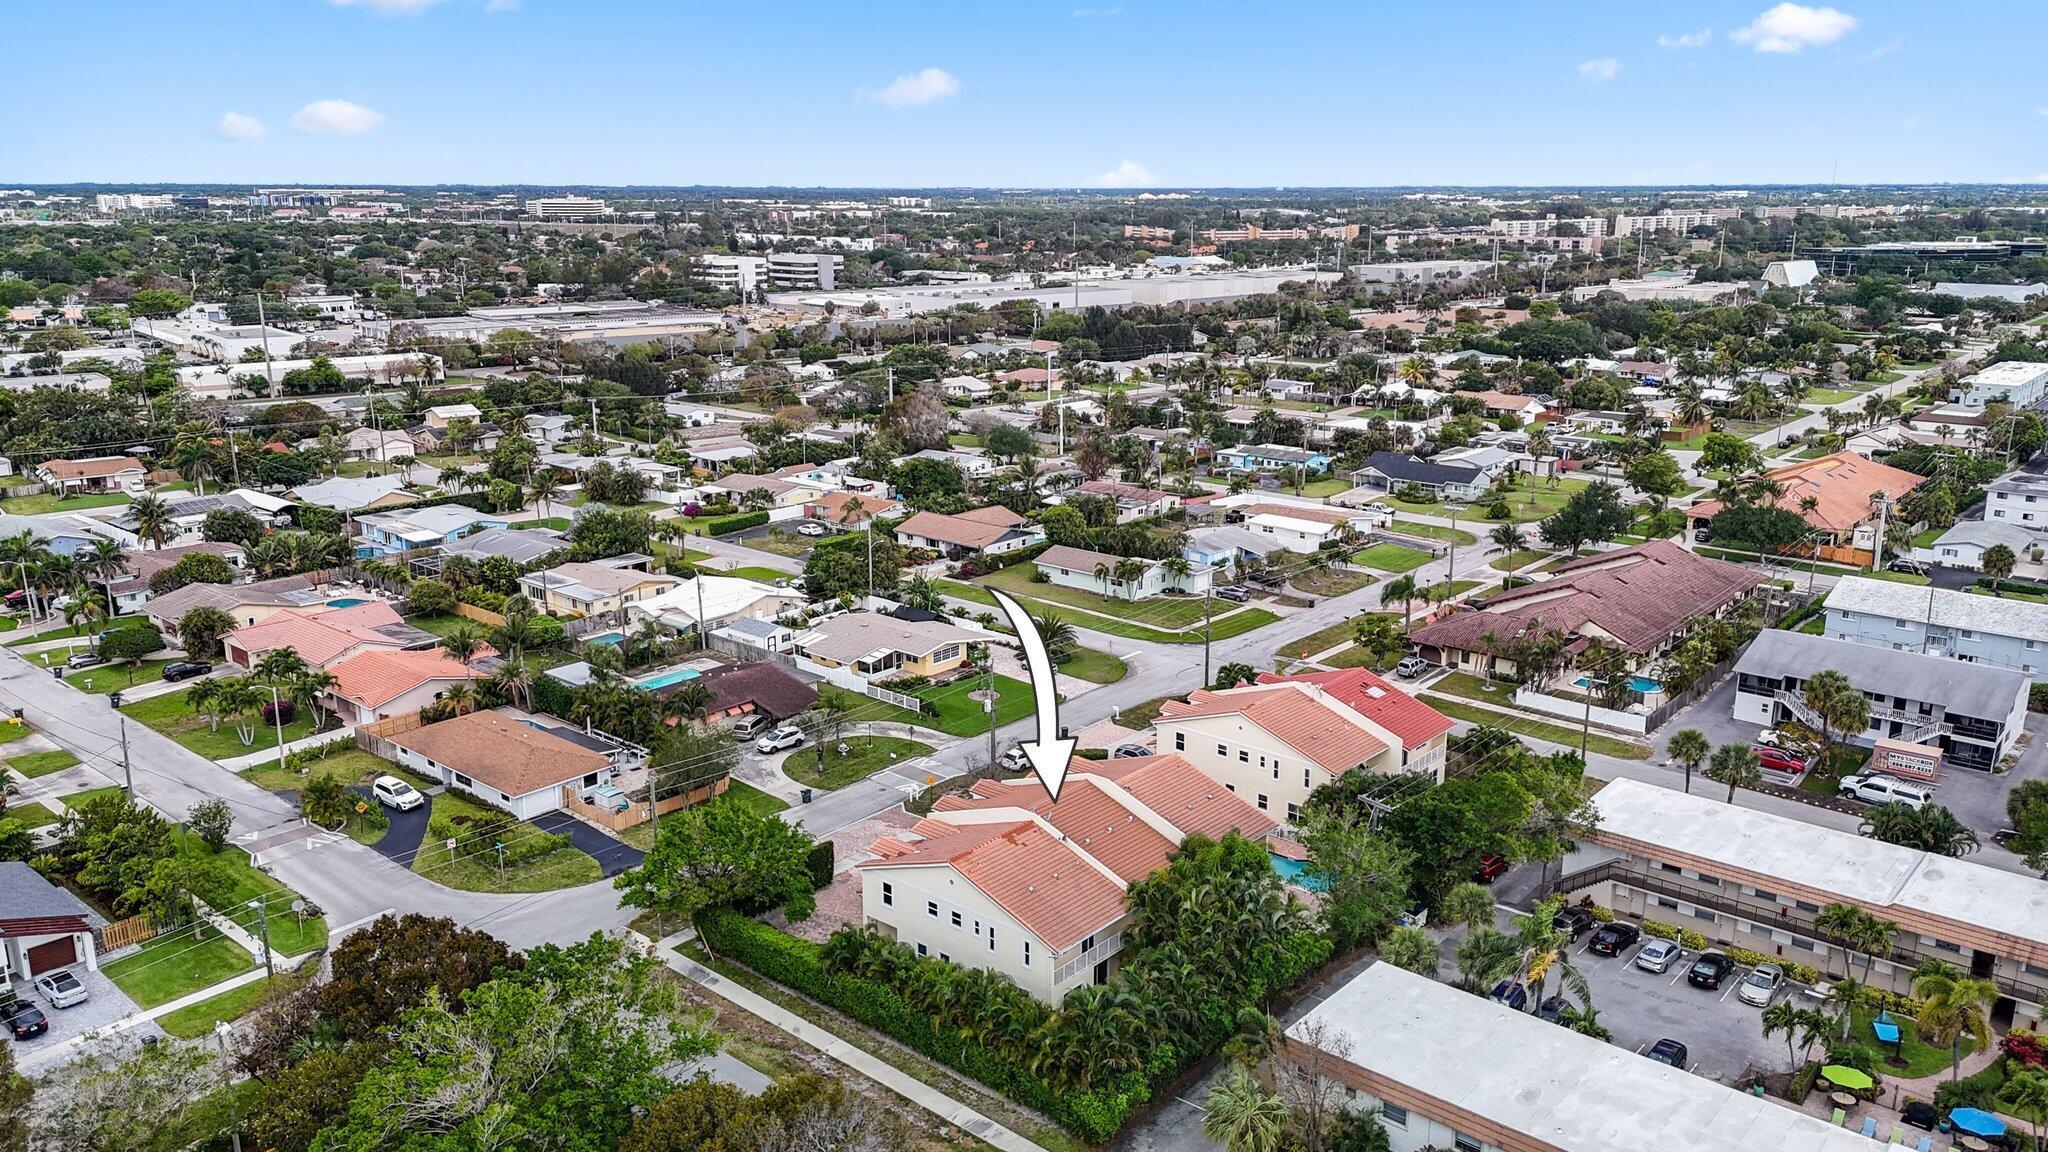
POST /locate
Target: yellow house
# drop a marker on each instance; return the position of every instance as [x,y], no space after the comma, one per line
[584,589]
[873,644]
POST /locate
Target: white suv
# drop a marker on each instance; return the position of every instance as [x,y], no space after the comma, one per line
[1876,788]
[396,793]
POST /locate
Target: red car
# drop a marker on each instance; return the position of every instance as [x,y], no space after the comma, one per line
[1779,759]
[1491,867]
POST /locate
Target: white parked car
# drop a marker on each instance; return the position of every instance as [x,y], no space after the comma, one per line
[1771,738]
[781,738]
[392,792]
[811,528]
[1877,788]
[61,989]
[1760,985]
[1658,956]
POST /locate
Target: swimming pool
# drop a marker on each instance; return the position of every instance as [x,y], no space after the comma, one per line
[607,638]
[1293,871]
[1638,684]
[347,602]
[666,679]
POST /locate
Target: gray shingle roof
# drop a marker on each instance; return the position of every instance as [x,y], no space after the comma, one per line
[1973,688]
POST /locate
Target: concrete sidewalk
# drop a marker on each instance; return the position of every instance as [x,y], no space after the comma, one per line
[269,755]
[910,1088]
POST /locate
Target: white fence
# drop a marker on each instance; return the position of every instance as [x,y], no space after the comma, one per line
[897,698]
[1575,710]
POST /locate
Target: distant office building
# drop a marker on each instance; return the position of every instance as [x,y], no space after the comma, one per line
[1142,232]
[818,270]
[568,208]
[1548,226]
[737,274]
[909,201]
[130,201]
[2014,382]
[1672,221]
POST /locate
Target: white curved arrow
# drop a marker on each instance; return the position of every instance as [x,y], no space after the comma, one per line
[1050,753]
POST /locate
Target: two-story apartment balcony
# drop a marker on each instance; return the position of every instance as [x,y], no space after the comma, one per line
[1101,950]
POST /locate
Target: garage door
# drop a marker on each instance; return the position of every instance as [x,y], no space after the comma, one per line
[54,954]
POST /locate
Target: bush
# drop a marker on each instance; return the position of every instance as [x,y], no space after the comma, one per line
[818,862]
[2037,698]
[797,964]
[277,712]
[1978,1090]
[1686,937]
[1802,973]
[2025,1048]
[430,597]
[727,525]
[1801,1084]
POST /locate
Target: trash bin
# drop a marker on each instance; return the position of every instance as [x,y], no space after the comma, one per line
[806,795]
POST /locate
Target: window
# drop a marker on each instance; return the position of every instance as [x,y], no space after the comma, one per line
[946,958]
[1262,764]
[1393,1115]
[991,937]
[1088,944]
[1304,778]
[1027,953]
[1294,813]
[1262,801]
[956,919]
[1244,756]
[1464,1143]
[931,909]
[1763,895]
[888,894]
[1180,741]
[922,950]
[1223,751]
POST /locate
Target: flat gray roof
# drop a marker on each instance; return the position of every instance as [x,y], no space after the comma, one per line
[1549,1083]
[1885,599]
[1958,685]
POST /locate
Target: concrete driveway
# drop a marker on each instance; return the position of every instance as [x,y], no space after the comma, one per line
[105,1005]
[1723,1036]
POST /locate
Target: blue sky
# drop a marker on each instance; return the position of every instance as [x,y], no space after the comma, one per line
[1171,93]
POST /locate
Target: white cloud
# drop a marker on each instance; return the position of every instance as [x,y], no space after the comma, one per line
[917,89]
[1884,50]
[1792,27]
[2041,110]
[1127,174]
[1687,40]
[388,7]
[1605,68]
[336,118]
[236,126]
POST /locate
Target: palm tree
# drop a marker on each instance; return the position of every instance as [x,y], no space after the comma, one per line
[1510,539]
[1102,573]
[463,642]
[919,592]
[1242,1116]
[1412,948]
[1998,562]
[692,701]
[1690,747]
[1128,573]
[543,487]
[1953,1008]
[1401,588]
[152,518]
[1060,637]
[1736,766]
[1470,904]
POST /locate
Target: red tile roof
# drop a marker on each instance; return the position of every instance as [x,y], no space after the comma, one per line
[1185,797]
[966,530]
[97,467]
[1092,819]
[1841,484]
[376,678]
[1029,872]
[1372,697]
[1295,714]
[319,635]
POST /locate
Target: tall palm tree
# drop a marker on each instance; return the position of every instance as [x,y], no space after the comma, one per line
[1060,637]
[152,518]
[1953,1008]
[1510,539]
[543,487]
[1736,766]
[1128,572]
[1690,747]
[1401,588]
[692,700]
[1102,573]
[1242,1116]
[463,642]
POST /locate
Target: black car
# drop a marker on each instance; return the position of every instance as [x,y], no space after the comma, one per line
[186,670]
[1668,1051]
[1614,939]
[1920,1114]
[1512,993]
[1552,1008]
[1709,970]
[23,1019]
[1577,921]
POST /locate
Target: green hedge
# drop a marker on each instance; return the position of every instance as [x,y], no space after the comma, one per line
[818,862]
[727,525]
[1094,1116]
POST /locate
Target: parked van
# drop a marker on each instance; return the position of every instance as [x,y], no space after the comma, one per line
[752,724]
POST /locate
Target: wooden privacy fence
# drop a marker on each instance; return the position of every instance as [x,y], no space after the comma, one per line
[636,812]
[121,933]
[371,738]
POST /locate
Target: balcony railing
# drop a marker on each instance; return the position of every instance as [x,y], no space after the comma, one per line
[1103,950]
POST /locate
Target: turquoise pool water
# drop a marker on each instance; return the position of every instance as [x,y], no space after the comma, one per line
[606,638]
[668,678]
[1294,872]
[1639,684]
[347,602]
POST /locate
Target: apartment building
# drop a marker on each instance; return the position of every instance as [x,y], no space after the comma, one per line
[1840,496]
[818,270]
[1445,1069]
[2018,498]
[2014,383]
[568,208]
[1547,226]
[1672,221]
[1752,879]
[1998,631]
[1143,232]
[1973,712]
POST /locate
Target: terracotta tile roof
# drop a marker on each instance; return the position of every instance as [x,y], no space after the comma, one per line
[375,678]
[965,530]
[1185,797]
[95,468]
[834,506]
[1112,489]
[1088,815]
[1029,872]
[1842,483]
[1372,697]
[502,751]
[1320,515]
[1640,596]
[320,635]
[994,514]
[1297,715]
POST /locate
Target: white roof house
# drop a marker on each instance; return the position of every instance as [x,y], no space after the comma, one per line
[1455,1064]
[724,599]
[1949,609]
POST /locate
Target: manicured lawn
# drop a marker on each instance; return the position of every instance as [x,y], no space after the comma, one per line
[1326,487]
[1517,560]
[1926,539]
[1528,499]
[170,715]
[1334,582]
[44,502]
[1922,1059]
[174,965]
[756,572]
[1536,729]
[864,756]
[81,799]
[36,764]
[12,730]
[1442,532]
[68,632]
[350,766]
[105,678]
[1460,587]
[565,867]
[1829,396]
[289,935]
[959,713]
[196,1020]
[1237,623]
[30,815]
[1392,558]
[441,623]
[1156,611]
[1322,641]
[1094,667]
[755,801]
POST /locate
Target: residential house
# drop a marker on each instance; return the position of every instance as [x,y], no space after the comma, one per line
[1640,601]
[2018,498]
[763,687]
[1302,528]
[1527,409]
[522,545]
[974,464]
[721,452]
[188,513]
[65,533]
[92,474]
[851,510]
[1281,388]
[1840,496]
[444,415]
[1005,879]
[382,445]
[355,493]
[720,600]
[1746,878]
[1421,732]
[689,415]
[2000,631]
[549,430]
[384,534]
[511,759]
[1275,743]
[377,685]
[2016,383]
[245,604]
[1394,472]
[43,928]
[750,491]
[324,636]
[1271,458]
[1105,575]
[1132,502]
[993,529]
[130,589]
[1964,543]
[1225,546]
[1399,1047]
[1973,712]
[1604,423]
[875,646]
[593,588]
[966,388]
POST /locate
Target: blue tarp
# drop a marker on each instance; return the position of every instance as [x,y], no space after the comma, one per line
[1976,1121]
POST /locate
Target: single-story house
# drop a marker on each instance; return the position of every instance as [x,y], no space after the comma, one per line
[1132,501]
[1225,546]
[593,588]
[371,686]
[520,545]
[443,415]
[720,599]
[721,452]
[878,646]
[1393,471]
[764,687]
[42,927]
[966,388]
[973,465]
[994,530]
[1964,544]
[324,636]
[1271,458]
[382,445]
[512,759]
[354,493]
[130,589]
[1098,572]
[245,604]
[381,534]
[853,510]
[92,474]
